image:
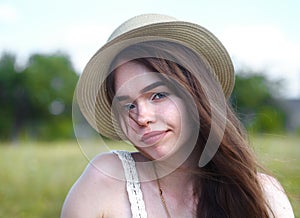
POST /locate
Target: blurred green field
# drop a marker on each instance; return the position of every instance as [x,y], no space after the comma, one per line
[35,177]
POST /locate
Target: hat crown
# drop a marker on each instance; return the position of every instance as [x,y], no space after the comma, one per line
[140,21]
[92,97]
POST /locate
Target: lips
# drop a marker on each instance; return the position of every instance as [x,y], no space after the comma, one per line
[153,137]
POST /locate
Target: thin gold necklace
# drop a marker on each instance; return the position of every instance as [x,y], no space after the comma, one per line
[161,193]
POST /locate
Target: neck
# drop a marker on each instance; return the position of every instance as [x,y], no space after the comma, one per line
[176,189]
[178,167]
[181,161]
[178,174]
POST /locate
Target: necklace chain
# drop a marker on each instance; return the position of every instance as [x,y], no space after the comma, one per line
[161,194]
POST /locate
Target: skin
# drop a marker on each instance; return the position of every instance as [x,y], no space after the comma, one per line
[151,115]
[154,120]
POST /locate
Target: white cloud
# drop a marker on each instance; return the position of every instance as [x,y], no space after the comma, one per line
[8,14]
[268,49]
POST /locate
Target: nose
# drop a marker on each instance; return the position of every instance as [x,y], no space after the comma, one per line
[144,114]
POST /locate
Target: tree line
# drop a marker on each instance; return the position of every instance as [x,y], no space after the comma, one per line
[36,99]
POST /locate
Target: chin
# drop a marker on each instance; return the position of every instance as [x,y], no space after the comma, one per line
[160,151]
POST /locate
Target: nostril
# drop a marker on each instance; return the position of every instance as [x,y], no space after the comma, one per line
[143,121]
[144,114]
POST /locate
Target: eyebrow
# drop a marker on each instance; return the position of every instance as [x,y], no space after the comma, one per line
[146,89]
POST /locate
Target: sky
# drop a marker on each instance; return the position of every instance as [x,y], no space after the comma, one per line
[262,36]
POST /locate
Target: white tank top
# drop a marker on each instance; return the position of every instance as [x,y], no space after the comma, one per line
[133,186]
[273,191]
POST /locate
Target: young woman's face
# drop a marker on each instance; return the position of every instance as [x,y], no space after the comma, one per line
[153,118]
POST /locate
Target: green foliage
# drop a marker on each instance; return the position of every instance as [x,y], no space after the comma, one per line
[49,78]
[255,100]
[51,81]
[38,99]
[268,120]
[12,94]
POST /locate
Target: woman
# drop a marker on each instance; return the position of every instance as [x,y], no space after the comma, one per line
[163,85]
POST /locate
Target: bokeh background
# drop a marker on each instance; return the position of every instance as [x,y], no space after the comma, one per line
[44,46]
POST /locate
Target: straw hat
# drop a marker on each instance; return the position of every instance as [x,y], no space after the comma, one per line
[143,28]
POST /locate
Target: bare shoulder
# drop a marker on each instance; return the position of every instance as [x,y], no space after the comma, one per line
[106,166]
[93,193]
[276,196]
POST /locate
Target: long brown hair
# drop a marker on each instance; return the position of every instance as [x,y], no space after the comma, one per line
[228,185]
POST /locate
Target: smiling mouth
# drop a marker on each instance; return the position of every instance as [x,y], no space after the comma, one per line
[153,137]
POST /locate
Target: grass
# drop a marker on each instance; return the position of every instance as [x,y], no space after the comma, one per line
[35,177]
[281,156]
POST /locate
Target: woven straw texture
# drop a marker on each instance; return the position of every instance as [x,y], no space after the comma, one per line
[143,28]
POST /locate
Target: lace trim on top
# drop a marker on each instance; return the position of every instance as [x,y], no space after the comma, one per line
[133,187]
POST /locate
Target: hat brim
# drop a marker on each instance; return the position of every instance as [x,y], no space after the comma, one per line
[97,111]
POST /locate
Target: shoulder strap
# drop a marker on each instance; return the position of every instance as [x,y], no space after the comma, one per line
[134,191]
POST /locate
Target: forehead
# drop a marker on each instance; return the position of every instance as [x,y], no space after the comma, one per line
[134,76]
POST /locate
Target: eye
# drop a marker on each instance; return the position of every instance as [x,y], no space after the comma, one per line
[159,95]
[128,107]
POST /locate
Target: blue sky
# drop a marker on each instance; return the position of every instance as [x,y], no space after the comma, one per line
[261,35]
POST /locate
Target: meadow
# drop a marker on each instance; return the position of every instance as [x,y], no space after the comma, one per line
[36,176]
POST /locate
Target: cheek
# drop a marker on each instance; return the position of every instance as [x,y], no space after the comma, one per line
[123,124]
[171,113]
[127,126]
[180,117]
